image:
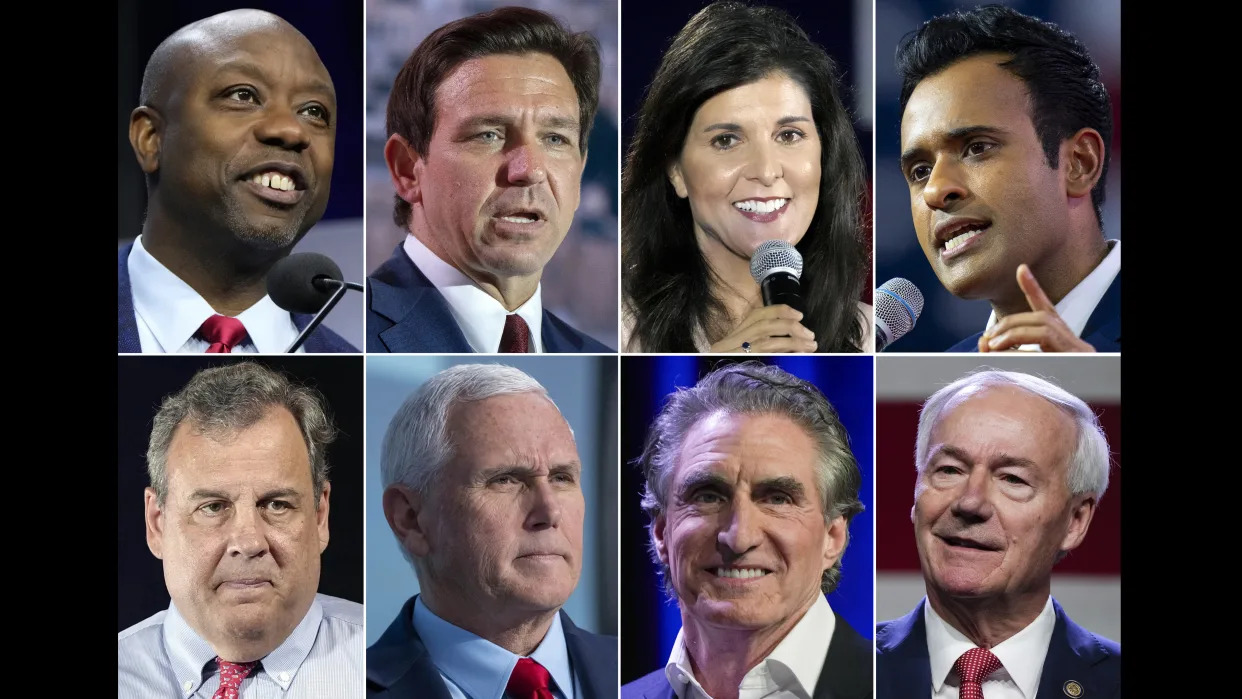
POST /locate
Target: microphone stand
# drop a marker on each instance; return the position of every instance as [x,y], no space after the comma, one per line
[341,288]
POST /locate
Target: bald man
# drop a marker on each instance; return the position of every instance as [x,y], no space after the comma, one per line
[235,132]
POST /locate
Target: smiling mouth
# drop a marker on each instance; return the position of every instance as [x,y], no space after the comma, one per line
[739,573]
[966,544]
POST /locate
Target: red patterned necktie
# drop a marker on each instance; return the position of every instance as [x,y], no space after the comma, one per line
[516,337]
[973,667]
[529,679]
[224,333]
[231,676]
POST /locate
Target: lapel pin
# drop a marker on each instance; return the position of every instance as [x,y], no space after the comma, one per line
[1072,689]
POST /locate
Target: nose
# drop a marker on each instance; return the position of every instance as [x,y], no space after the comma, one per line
[945,185]
[282,128]
[973,502]
[246,536]
[764,165]
[527,165]
[741,531]
[545,509]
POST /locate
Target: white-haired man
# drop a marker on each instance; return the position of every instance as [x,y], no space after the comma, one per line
[1010,471]
[482,488]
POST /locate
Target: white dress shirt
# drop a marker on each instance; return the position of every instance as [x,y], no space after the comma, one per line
[169,313]
[480,316]
[1078,305]
[789,672]
[1021,655]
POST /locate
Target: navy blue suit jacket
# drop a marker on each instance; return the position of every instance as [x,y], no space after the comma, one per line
[1102,331]
[846,673]
[903,665]
[321,340]
[405,313]
[398,664]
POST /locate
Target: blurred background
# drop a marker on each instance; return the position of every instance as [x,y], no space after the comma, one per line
[142,384]
[652,620]
[335,30]
[1087,583]
[580,283]
[842,27]
[585,390]
[947,319]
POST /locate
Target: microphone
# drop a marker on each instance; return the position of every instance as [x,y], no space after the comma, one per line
[898,304]
[307,282]
[777,266]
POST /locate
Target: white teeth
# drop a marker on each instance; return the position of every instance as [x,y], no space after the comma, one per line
[740,572]
[519,219]
[274,180]
[960,240]
[760,207]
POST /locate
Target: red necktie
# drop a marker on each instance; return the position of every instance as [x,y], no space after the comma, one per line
[224,333]
[516,337]
[529,679]
[973,667]
[231,676]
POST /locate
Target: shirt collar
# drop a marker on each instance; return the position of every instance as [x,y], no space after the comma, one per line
[1078,305]
[174,311]
[795,664]
[189,653]
[1021,655]
[482,668]
[480,316]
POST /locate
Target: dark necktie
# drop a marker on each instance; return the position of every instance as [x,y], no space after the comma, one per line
[516,336]
[529,679]
[973,667]
[231,676]
[224,333]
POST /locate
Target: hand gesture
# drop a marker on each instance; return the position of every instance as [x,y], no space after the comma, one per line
[769,329]
[1042,325]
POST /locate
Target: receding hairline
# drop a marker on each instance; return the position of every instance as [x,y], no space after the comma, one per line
[203,37]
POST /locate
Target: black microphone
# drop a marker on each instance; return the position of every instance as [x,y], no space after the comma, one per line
[777,266]
[307,282]
[898,304]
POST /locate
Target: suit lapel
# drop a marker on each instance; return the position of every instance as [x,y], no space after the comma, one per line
[126,322]
[847,667]
[591,674]
[903,666]
[422,321]
[555,339]
[1103,328]
[400,664]
[1071,654]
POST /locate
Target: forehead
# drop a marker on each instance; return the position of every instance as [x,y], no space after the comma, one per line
[522,425]
[278,53]
[507,84]
[269,452]
[747,447]
[974,91]
[768,99]
[1006,419]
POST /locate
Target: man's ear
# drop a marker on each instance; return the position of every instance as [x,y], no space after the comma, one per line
[404,509]
[678,180]
[657,537]
[1084,155]
[405,166]
[146,132]
[321,516]
[154,516]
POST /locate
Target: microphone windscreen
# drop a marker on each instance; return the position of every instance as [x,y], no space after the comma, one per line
[775,256]
[898,304]
[291,282]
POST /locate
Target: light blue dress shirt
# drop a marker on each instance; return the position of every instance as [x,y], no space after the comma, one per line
[475,668]
[324,657]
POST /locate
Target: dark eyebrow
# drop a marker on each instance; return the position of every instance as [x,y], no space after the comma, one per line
[959,134]
[787,484]
[206,494]
[703,479]
[555,121]
[254,72]
[729,126]
[279,493]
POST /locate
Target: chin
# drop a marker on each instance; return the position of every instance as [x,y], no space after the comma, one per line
[736,614]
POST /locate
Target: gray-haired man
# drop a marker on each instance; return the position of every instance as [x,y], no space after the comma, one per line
[751,485]
[482,488]
[238,512]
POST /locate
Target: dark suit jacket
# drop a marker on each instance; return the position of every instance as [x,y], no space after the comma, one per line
[321,340]
[846,673]
[1102,331]
[903,665]
[398,665]
[405,313]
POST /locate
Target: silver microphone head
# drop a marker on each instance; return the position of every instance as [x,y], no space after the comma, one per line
[898,304]
[775,256]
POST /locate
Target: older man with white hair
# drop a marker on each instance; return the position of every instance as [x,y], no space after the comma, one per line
[482,488]
[1011,469]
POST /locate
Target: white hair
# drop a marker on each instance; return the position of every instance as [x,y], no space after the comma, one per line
[417,443]
[1088,465]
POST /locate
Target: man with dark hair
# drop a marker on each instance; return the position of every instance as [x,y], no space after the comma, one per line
[1005,132]
[751,486]
[488,123]
[235,133]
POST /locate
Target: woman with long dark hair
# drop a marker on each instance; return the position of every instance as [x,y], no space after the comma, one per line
[742,137]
